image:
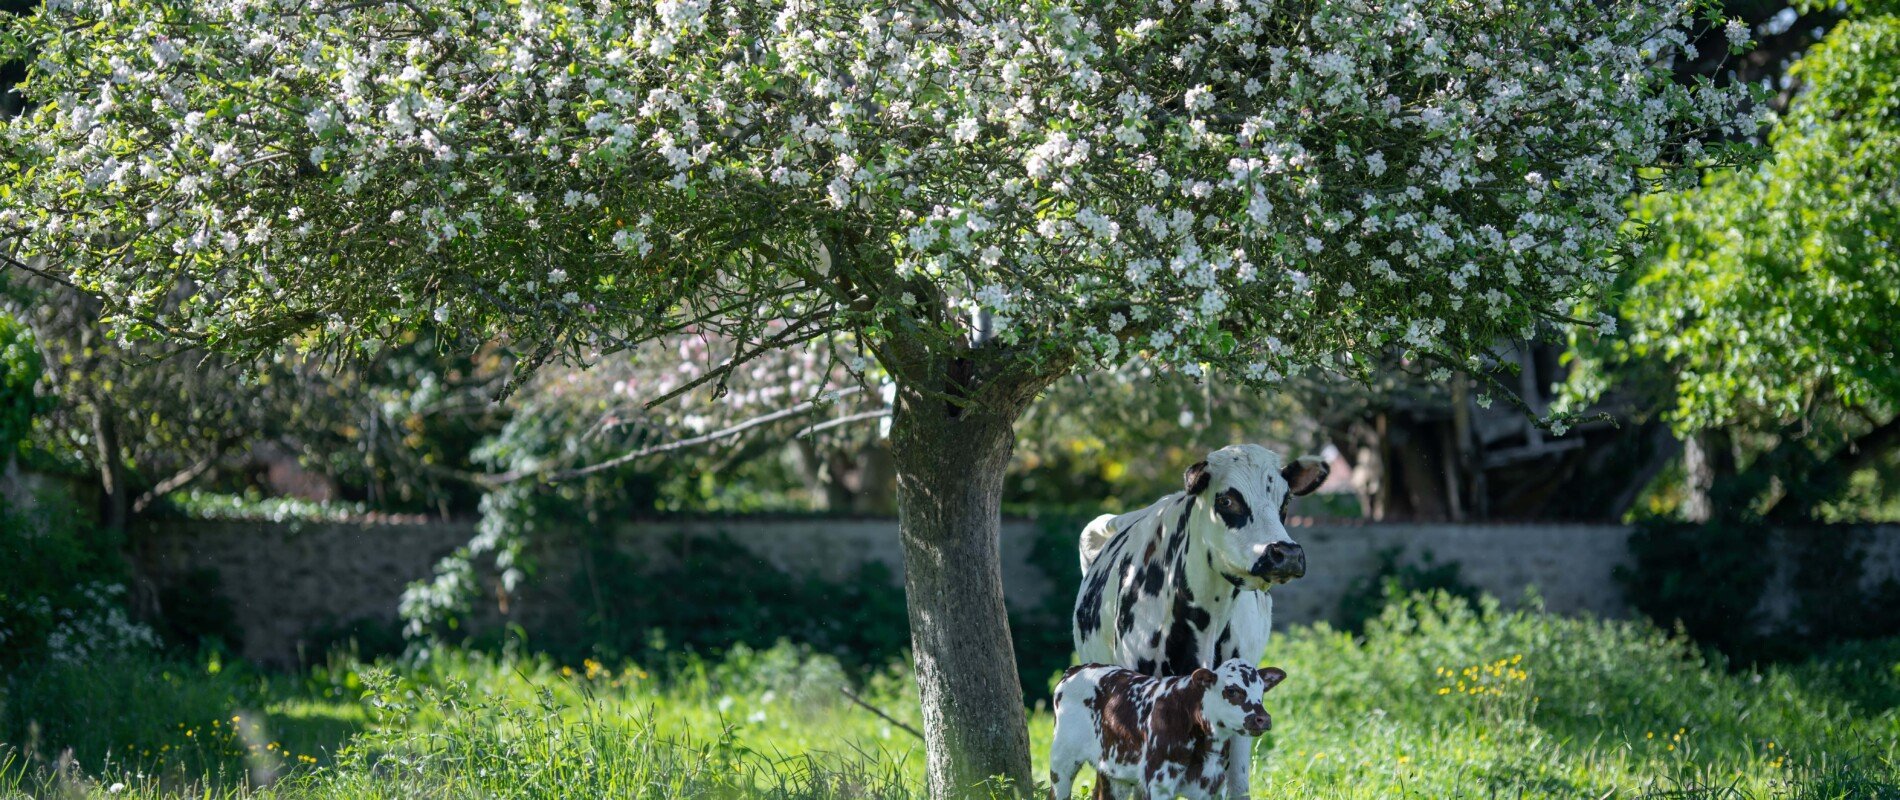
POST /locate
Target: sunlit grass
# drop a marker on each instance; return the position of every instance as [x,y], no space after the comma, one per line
[1437,700]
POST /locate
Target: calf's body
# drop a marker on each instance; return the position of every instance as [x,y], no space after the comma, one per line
[1154,737]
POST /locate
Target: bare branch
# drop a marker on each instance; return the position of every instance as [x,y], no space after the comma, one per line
[625,458]
[853,697]
[841,422]
[175,482]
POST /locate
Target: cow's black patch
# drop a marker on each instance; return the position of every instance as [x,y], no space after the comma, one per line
[1235,581]
[1224,646]
[1179,656]
[1152,577]
[1233,509]
[1088,610]
[1284,503]
[1155,640]
[1131,591]
[1180,528]
[1145,666]
[1188,620]
[1188,612]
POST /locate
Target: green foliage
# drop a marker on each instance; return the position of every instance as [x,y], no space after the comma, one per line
[62,594]
[1396,579]
[253,505]
[1707,578]
[169,719]
[719,595]
[1770,291]
[197,614]
[1710,579]
[19,371]
[1042,637]
[1550,708]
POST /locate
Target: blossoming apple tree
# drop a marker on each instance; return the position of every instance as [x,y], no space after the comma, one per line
[985,195]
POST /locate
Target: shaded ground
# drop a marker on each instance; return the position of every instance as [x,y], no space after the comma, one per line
[1437,700]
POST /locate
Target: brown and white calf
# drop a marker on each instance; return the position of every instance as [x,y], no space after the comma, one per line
[1154,737]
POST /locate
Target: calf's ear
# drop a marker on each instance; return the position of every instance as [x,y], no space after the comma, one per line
[1203,677]
[1195,478]
[1272,676]
[1305,474]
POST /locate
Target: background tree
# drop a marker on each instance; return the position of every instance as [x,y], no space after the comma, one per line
[1762,323]
[986,196]
[147,420]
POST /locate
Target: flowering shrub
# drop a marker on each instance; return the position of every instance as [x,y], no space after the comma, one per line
[69,604]
[1258,186]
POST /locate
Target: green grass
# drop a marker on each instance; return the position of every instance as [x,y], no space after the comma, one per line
[1548,707]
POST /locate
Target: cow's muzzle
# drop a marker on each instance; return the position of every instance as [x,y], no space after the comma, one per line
[1258,724]
[1282,562]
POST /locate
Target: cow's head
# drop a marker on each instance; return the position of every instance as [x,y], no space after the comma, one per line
[1233,696]
[1241,495]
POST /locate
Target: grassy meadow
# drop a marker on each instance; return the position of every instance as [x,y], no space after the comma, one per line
[1437,700]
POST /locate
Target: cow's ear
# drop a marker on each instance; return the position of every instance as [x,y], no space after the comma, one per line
[1272,676]
[1195,478]
[1203,677]
[1305,474]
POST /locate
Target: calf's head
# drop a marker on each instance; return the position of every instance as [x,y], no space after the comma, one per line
[1241,496]
[1232,701]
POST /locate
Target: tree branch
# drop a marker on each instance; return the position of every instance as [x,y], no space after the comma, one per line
[625,458]
[841,422]
[177,481]
[853,697]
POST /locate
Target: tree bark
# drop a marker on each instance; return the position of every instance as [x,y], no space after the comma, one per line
[1708,458]
[116,496]
[950,463]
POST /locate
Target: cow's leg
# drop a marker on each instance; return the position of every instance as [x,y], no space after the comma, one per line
[1062,780]
[1104,788]
[1251,625]
[1239,760]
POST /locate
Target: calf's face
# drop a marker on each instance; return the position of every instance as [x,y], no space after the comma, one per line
[1242,493]
[1233,699]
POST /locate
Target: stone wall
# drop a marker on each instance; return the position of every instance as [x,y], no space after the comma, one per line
[287,581]
[1571,566]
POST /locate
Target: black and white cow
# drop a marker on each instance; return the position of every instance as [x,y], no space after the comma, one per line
[1182,584]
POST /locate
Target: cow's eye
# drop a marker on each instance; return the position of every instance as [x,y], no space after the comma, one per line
[1224,502]
[1233,694]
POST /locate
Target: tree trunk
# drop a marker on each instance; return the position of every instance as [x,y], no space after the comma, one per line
[950,463]
[1708,458]
[116,499]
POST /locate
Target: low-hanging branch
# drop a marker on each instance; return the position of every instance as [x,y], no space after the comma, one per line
[707,438]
